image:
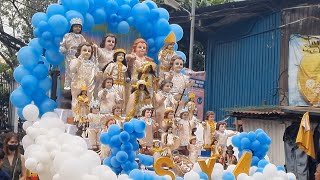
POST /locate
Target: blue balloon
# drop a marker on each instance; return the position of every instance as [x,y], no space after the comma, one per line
[99,16]
[255,145]
[268,140]
[162,27]
[154,15]
[130,20]
[43,26]
[182,55]
[259,130]
[43,60]
[99,3]
[122,156]
[47,44]
[160,42]
[105,138]
[131,156]
[107,161]
[20,72]
[124,136]
[133,2]
[281,168]
[112,7]
[150,4]
[252,136]
[140,12]
[235,140]
[37,18]
[128,127]
[175,47]
[259,170]
[124,11]
[136,174]
[150,42]
[262,137]
[146,30]
[45,84]
[19,98]
[88,22]
[81,6]
[115,141]
[203,175]
[177,30]
[36,32]
[47,36]
[114,162]
[29,84]
[57,40]
[262,163]
[255,160]
[228,176]
[243,135]
[38,96]
[163,13]
[135,146]
[114,129]
[139,126]
[66,4]
[59,24]
[36,45]
[54,9]
[54,57]
[123,27]
[127,146]
[179,178]
[28,57]
[74,14]
[48,105]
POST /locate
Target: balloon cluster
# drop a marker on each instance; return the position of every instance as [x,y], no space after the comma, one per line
[32,75]
[123,145]
[56,155]
[257,143]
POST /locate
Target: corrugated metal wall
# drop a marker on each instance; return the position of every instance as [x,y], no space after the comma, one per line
[244,71]
[275,130]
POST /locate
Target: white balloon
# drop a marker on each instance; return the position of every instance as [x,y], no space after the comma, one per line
[242,176]
[91,158]
[169,177]
[104,172]
[56,177]
[30,112]
[191,176]
[36,124]
[26,124]
[50,115]
[252,170]
[231,167]
[27,141]
[51,122]
[73,168]
[123,177]
[41,139]
[40,168]
[46,176]
[218,166]
[90,177]
[269,170]
[31,164]
[291,176]
[282,174]
[196,167]
[42,156]
[60,157]
[258,176]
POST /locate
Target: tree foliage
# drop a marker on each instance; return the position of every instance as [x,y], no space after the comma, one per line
[15,19]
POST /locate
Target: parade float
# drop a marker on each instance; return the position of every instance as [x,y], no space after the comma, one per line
[135,107]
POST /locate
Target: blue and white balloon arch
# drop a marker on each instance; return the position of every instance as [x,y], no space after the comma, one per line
[50,27]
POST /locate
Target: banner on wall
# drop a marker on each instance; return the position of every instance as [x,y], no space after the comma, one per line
[304,70]
[198,89]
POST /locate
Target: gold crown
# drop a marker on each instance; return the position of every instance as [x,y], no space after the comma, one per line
[83,88]
[140,82]
[120,50]
[192,95]
[76,21]
[171,38]
[148,64]
[95,104]
[169,109]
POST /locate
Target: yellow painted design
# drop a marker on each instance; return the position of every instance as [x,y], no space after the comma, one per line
[163,162]
[243,165]
[207,168]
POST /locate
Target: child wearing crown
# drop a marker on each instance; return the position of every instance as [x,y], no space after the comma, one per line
[229,158]
[151,125]
[170,140]
[108,96]
[118,71]
[94,129]
[84,72]
[194,149]
[169,119]
[137,58]
[139,97]
[166,54]
[68,47]
[191,105]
